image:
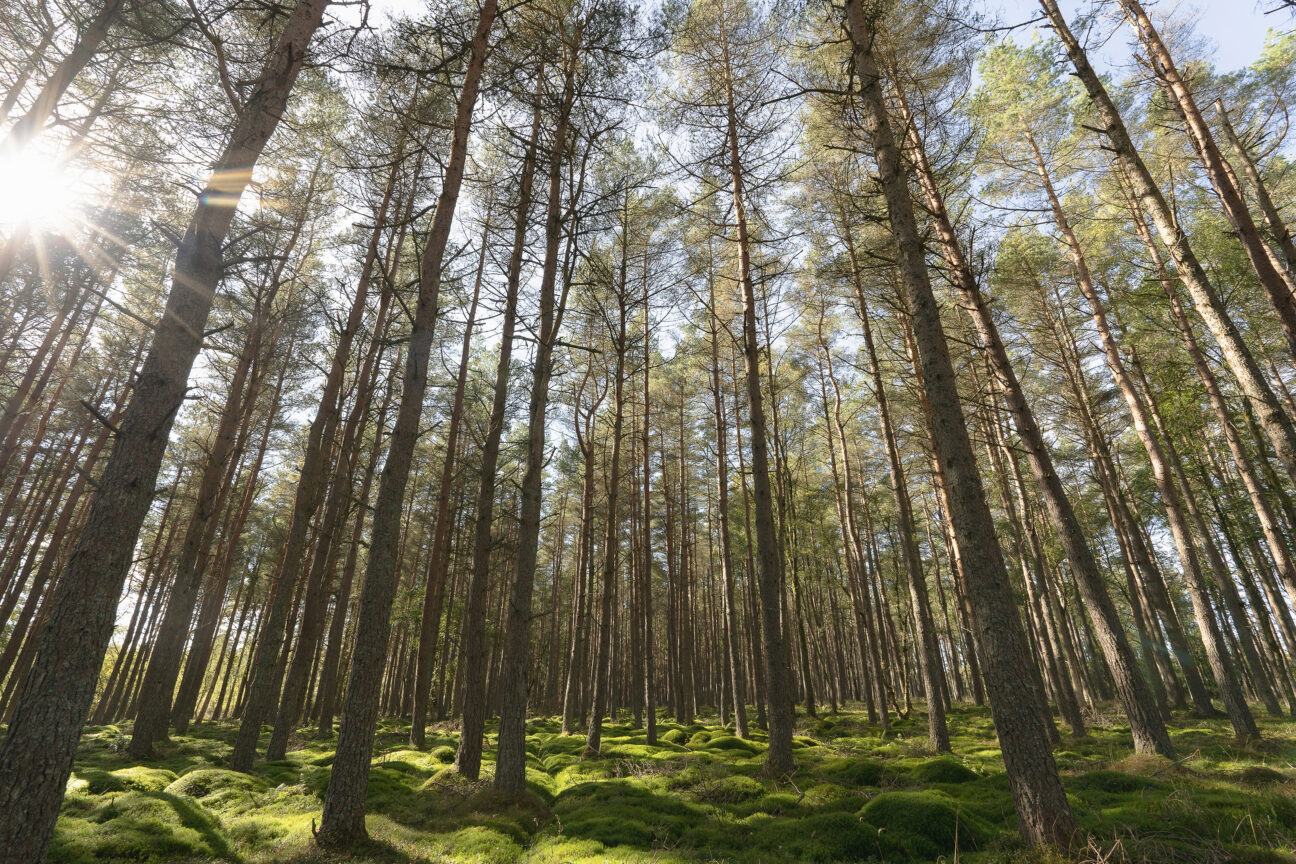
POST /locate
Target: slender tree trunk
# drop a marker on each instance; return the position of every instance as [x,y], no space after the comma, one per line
[778,679]
[342,822]
[439,557]
[735,680]
[612,539]
[164,665]
[510,765]
[924,635]
[1172,496]
[36,756]
[650,672]
[1222,178]
[475,650]
[1146,725]
[1016,700]
[1273,219]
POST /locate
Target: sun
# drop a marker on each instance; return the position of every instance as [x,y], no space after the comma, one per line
[38,191]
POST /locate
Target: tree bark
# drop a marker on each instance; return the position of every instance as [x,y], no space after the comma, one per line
[1016,700]
[510,764]
[342,822]
[36,756]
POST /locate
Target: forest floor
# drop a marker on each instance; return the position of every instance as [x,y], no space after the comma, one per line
[699,796]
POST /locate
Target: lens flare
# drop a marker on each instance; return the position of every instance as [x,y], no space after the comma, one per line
[37,191]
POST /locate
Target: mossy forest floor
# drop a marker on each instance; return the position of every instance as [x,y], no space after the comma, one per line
[699,796]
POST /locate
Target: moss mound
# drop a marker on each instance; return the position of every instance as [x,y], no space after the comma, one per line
[731,744]
[823,837]
[854,772]
[924,824]
[1114,782]
[1262,775]
[943,770]
[97,782]
[143,779]
[671,805]
[673,736]
[139,826]
[731,790]
[206,782]
[699,740]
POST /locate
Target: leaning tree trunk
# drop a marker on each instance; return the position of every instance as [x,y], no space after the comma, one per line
[1273,219]
[36,756]
[1218,171]
[1276,422]
[1016,700]
[28,126]
[265,675]
[168,648]
[925,629]
[342,822]
[1172,497]
[1146,724]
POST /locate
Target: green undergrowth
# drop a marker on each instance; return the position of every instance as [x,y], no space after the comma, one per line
[698,796]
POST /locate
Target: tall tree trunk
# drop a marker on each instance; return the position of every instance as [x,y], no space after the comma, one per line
[924,635]
[1016,700]
[439,557]
[735,681]
[342,822]
[36,756]
[168,649]
[1146,724]
[475,650]
[649,683]
[510,764]
[1218,171]
[1172,496]
[778,678]
[612,538]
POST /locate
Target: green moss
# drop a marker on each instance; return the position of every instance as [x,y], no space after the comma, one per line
[673,736]
[733,789]
[98,782]
[699,740]
[854,771]
[482,844]
[1262,775]
[205,782]
[1117,782]
[732,744]
[669,805]
[942,770]
[139,826]
[778,804]
[144,779]
[924,824]
[822,837]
